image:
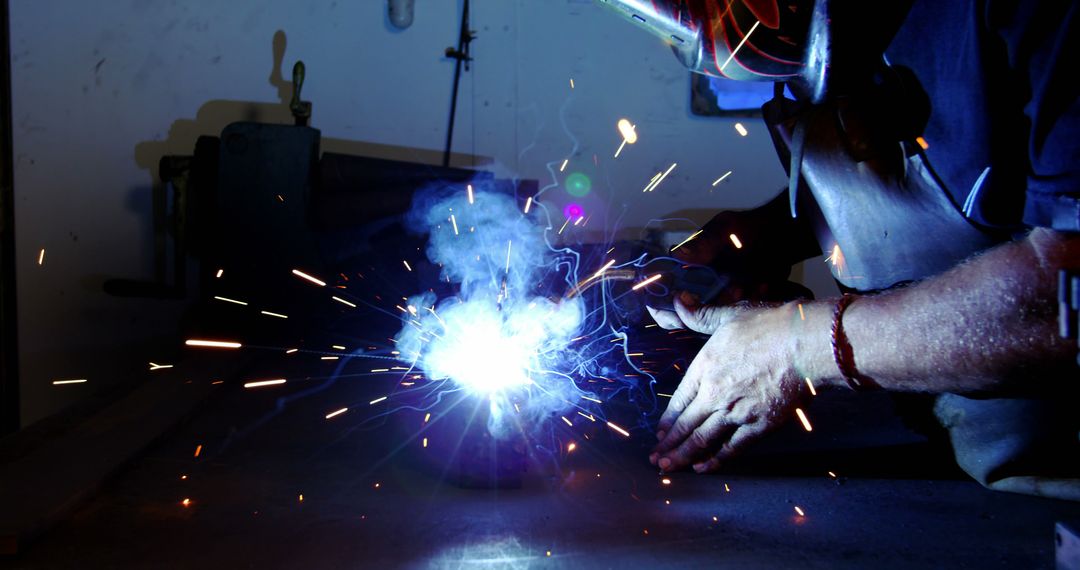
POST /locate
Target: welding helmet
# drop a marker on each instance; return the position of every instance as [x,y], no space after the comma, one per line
[815,44]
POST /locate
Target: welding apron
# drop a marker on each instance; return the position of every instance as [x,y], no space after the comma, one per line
[878,209]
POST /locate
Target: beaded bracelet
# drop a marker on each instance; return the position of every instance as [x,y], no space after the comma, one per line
[842,352]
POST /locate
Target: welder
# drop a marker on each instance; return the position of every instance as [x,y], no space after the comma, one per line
[932,151]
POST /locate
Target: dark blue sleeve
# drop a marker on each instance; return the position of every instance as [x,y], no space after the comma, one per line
[1043,50]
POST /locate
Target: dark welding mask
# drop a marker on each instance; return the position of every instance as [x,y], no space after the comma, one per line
[816,46]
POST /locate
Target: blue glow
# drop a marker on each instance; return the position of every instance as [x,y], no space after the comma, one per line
[502,334]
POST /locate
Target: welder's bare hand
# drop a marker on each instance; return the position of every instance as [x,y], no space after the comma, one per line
[740,385]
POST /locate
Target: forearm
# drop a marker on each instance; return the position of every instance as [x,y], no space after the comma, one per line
[987,325]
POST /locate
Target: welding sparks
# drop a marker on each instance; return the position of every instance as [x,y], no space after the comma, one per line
[343,301]
[155,366]
[261,383]
[198,450]
[508,244]
[377,400]
[646,282]
[212,343]
[626,129]
[571,447]
[303,275]
[337,413]
[278,315]
[528,204]
[219,273]
[568,422]
[802,418]
[41,257]
[684,242]
[228,300]
[591,399]
[802,315]
[656,180]
[813,392]
[562,167]
[665,481]
[799,511]
[837,260]
[468,188]
[186,502]
[453,221]
[329,357]
[407,266]
[735,240]
[618,429]
[738,47]
[564,226]
[571,82]
[922,143]
[721,179]
[603,269]
[741,129]
[664,395]
[75,381]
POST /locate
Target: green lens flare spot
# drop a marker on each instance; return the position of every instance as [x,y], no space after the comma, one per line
[578,185]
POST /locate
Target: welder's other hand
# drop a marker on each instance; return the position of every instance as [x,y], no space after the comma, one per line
[740,385]
[690,314]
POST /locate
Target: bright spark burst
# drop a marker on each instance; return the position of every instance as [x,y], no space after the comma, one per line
[212,343]
[618,429]
[836,258]
[656,180]
[721,179]
[261,383]
[337,413]
[739,47]
[343,301]
[802,418]
[571,447]
[646,282]
[685,241]
[307,277]
[603,268]
[155,366]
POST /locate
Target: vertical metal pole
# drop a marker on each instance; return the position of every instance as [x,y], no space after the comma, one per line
[461,55]
[9,366]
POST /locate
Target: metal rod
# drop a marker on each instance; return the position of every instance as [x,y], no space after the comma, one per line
[462,53]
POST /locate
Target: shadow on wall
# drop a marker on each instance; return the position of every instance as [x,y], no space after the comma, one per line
[213,116]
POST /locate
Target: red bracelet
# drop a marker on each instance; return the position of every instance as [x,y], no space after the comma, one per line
[842,352]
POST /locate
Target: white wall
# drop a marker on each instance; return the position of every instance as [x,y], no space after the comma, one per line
[102,89]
